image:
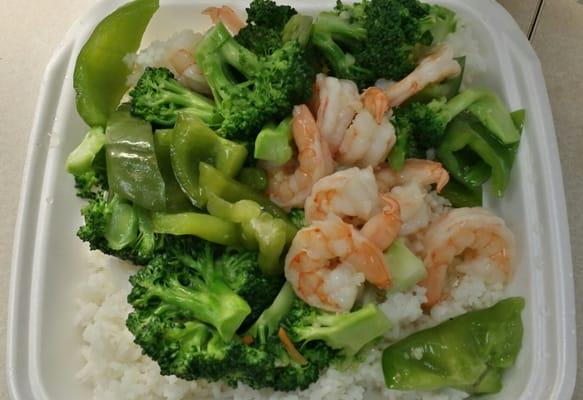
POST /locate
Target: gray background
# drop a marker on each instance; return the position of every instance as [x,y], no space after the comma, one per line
[30,30]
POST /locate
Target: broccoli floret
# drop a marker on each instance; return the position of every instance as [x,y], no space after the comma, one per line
[379,38]
[297,216]
[421,126]
[158,96]
[265,22]
[250,90]
[244,277]
[190,286]
[346,333]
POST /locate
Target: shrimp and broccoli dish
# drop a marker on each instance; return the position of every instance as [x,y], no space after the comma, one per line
[279,182]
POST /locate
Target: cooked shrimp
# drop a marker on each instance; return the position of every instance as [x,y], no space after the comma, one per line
[383,228]
[366,143]
[433,68]
[351,194]
[336,101]
[290,184]
[420,172]
[415,211]
[376,101]
[226,15]
[466,238]
[328,262]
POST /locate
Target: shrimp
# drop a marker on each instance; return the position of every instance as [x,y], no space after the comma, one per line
[420,172]
[472,238]
[433,68]
[366,143]
[328,262]
[226,15]
[336,102]
[409,188]
[376,101]
[290,184]
[352,195]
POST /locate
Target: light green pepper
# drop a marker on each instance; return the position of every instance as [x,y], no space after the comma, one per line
[255,178]
[100,71]
[207,227]
[80,160]
[469,352]
[176,200]
[260,230]
[132,167]
[194,142]
[121,224]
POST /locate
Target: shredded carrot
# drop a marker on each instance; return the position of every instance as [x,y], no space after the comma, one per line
[247,340]
[290,348]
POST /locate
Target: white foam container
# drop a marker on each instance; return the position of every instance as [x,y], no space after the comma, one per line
[49,261]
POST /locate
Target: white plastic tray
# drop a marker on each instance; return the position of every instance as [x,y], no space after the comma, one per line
[49,261]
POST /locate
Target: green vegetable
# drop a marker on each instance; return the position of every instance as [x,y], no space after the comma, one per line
[378,38]
[347,333]
[216,182]
[260,230]
[255,178]
[405,267]
[265,22]
[176,200]
[462,196]
[100,71]
[204,226]
[268,322]
[273,143]
[494,115]
[250,90]
[189,287]
[472,154]
[81,159]
[469,352]
[422,126]
[299,28]
[194,142]
[121,227]
[157,97]
[448,88]
[298,218]
[132,167]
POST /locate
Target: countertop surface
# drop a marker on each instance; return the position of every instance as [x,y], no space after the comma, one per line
[32,29]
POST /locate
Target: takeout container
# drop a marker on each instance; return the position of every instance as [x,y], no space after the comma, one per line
[49,260]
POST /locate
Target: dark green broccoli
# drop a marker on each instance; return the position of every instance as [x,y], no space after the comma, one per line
[378,38]
[158,96]
[421,126]
[189,285]
[297,216]
[250,90]
[265,22]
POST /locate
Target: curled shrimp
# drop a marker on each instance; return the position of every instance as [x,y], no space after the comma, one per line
[328,262]
[290,184]
[433,68]
[335,103]
[409,187]
[226,15]
[466,239]
[376,101]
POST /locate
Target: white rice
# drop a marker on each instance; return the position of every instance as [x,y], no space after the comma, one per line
[115,368]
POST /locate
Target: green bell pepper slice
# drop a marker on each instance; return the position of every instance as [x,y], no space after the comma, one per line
[100,72]
[132,167]
[471,154]
[260,230]
[121,224]
[460,195]
[469,352]
[80,160]
[494,115]
[204,226]
[176,200]
[194,142]
[255,178]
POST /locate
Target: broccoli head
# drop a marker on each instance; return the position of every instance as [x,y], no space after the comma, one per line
[265,22]
[158,96]
[250,90]
[379,38]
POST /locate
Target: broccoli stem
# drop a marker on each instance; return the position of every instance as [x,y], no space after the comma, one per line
[347,332]
[459,103]
[299,27]
[240,58]
[178,94]
[268,322]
